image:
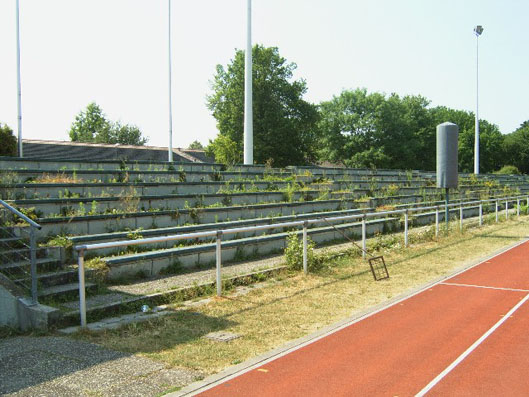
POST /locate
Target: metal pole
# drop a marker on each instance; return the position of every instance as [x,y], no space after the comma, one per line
[436,221]
[82,296]
[506,210]
[517,207]
[305,256]
[218,255]
[496,210]
[170,148]
[248,111]
[406,228]
[364,232]
[19,89]
[480,214]
[33,258]
[460,218]
[447,200]
[476,138]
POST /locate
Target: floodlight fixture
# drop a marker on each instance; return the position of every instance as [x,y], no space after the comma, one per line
[478,30]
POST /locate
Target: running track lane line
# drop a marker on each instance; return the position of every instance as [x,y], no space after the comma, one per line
[448,369]
[486,287]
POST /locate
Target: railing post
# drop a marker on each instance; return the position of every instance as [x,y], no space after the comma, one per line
[506,209]
[364,243]
[460,217]
[305,248]
[436,221]
[82,296]
[406,228]
[33,259]
[518,207]
[480,214]
[496,211]
[218,257]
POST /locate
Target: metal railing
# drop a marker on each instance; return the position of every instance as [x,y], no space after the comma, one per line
[217,234]
[34,226]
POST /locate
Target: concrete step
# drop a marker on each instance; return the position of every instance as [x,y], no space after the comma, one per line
[51,279]
[64,291]
[43,265]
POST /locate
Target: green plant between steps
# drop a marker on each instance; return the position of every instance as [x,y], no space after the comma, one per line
[294,254]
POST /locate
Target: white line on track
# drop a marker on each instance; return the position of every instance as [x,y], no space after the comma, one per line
[464,355]
[486,287]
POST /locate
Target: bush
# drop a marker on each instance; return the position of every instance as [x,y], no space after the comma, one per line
[294,253]
[9,142]
[508,170]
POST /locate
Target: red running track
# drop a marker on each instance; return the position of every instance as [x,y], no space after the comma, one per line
[402,349]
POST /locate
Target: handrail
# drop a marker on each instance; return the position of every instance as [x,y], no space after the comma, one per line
[304,223]
[33,249]
[20,215]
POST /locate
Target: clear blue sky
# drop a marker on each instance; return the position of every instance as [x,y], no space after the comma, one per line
[114,52]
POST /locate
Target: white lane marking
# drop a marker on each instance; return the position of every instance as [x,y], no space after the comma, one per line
[464,355]
[486,287]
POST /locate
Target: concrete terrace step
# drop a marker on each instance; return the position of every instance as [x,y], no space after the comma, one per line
[66,206]
[63,290]
[96,224]
[130,297]
[55,278]
[43,264]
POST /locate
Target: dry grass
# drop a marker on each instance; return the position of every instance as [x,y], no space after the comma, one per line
[57,178]
[296,305]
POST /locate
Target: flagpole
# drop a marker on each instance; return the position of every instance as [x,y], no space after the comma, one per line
[248,111]
[19,90]
[170,148]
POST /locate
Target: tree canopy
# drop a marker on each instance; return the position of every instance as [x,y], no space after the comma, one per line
[516,148]
[284,123]
[9,141]
[92,126]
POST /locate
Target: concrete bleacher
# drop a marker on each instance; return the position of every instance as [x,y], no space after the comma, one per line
[81,201]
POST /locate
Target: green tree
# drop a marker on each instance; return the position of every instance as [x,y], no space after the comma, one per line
[371,130]
[284,123]
[9,141]
[224,150]
[516,148]
[91,125]
[196,145]
[491,151]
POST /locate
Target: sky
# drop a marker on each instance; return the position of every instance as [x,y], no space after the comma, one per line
[115,52]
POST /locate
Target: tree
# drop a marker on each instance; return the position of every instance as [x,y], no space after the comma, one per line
[372,130]
[196,145]
[9,141]
[91,125]
[284,123]
[224,150]
[516,148]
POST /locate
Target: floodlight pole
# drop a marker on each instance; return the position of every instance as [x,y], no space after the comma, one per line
[248,111]
[170,148]
[477,30]
[19,90]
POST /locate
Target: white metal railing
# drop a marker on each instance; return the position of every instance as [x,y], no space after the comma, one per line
[217,234]
[33,227]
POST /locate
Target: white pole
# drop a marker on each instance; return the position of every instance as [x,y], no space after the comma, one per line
[305,248]
[82,294]
[406,228]
[364,242]
[436,221]
[218,260]
[478,30]
[170,148]
[248,111]
[19,90]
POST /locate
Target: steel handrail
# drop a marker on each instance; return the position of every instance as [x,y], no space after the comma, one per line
[219,232]
[21,215]
[32,248]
